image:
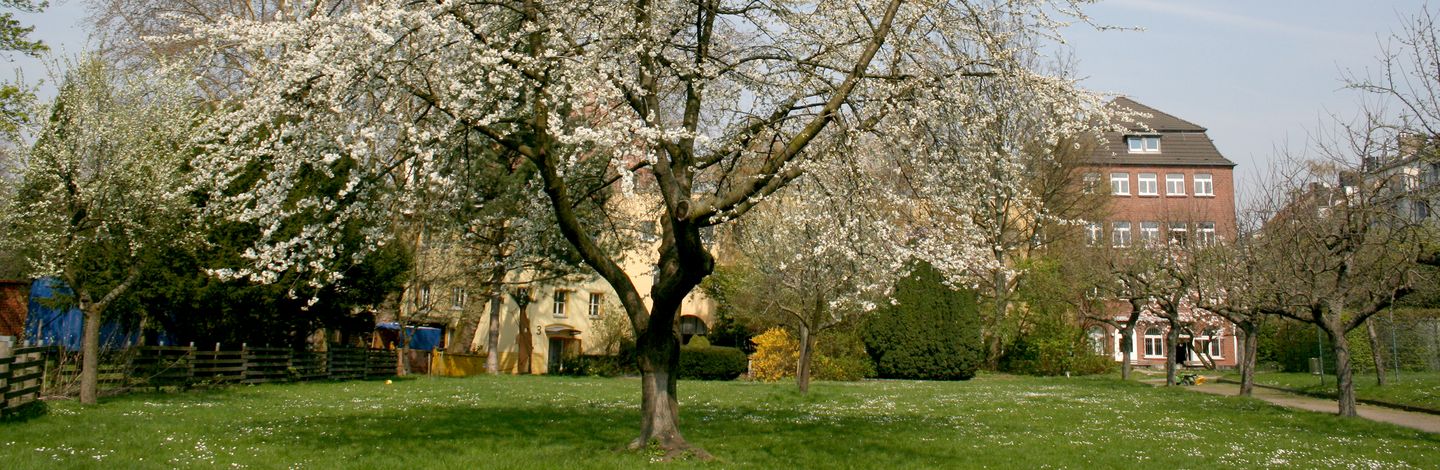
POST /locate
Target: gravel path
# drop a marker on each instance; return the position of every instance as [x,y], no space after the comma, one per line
[1422,421]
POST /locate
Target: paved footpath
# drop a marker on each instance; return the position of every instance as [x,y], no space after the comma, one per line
[1422,421]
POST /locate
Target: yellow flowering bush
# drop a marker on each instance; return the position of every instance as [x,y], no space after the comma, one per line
[776,354]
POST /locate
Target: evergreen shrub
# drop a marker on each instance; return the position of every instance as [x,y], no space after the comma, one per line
[711,363]
[931,331]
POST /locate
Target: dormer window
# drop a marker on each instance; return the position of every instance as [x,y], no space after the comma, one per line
[1143,143]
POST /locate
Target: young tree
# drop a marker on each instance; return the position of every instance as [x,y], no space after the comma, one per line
[816,262]
[1406,81]
[1021,200]
[1336,251]
[100,192]
[508,238]
[1222,276]
[706,107]
[1125,283]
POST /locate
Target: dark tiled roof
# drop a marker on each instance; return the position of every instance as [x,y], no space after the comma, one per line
[1181,142]
[1158,120]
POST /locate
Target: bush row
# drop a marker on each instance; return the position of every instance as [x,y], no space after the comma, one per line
[696,362]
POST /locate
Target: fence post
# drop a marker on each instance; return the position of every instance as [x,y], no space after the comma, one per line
[5,389]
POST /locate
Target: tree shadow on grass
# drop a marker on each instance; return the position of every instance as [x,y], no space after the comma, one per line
[529,436]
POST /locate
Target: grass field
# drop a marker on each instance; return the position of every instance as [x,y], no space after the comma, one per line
[552,422]
[1420,389]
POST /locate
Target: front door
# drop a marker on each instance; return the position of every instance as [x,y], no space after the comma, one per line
[557,349]
[1182,353]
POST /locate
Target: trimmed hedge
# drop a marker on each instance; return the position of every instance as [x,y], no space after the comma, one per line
[929,332]
[599,366]
[711,363]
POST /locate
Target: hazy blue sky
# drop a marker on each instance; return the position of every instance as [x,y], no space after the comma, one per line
[1259,73]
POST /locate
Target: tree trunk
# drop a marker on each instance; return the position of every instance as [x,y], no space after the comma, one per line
[90,356]
[659,361]
[1247,361]
[995,345]
[1344,381]
[492,336]
[1172,339]
[807,349]
[1377,351]
[402,354]
[463,342]
[90,339]
[523,341]
[1127,348]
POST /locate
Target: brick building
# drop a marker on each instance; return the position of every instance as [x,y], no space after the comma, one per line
[1167,183]
[14,302]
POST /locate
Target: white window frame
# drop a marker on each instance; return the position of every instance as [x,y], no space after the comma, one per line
[1143,143]
[560,298]
[1177,232]
[1157,340]
[1089,182]
[1205,233]
[1211,343]
[1120,234]
[1147,184]
[1174,184]
[1149,232]
[1204,184]
[1094,233]
[649,231]
[457,298]
[1096,336]
[1120,184]
[596,300]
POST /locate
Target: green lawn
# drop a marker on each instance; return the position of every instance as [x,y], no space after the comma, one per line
[553,422]
[1420,389]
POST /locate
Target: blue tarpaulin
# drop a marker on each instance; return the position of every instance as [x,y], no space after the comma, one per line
[423,338]
[54,318]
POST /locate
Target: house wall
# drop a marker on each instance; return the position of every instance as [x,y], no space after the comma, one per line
[595,333]
[1164,208]
[1184,148]
[442,266]
[1229,347]
[14,301]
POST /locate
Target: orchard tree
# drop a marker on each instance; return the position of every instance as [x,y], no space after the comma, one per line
[1022,198]
[819,261]
[1344,241]
[1120,282]
[1222,277]
[707,108]
[100,194]
[1336,251]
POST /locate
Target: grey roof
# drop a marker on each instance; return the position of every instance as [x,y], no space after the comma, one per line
[1158,120]
[1181,142]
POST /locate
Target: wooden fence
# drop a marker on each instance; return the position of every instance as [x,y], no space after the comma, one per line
[30,371]
[22,376]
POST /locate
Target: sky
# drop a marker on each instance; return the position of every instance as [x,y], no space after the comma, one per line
[1259,74]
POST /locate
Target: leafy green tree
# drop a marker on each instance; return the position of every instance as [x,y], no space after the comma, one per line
[930,331]
[100,194]
[15,99]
